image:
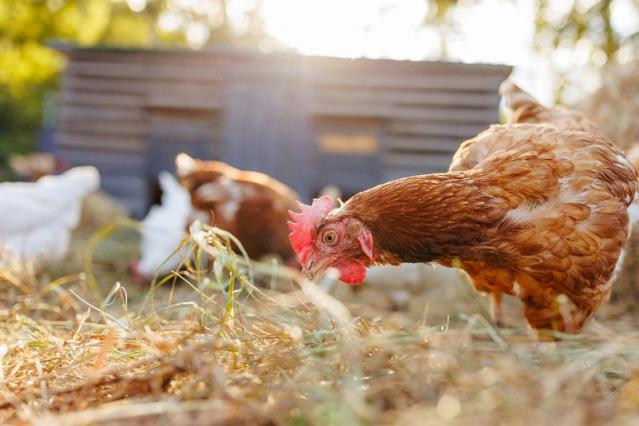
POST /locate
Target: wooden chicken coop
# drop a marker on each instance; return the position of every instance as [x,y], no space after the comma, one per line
[308,121]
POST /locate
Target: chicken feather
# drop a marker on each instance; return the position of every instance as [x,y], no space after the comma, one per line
[537,209]
[251,205]
[38,216]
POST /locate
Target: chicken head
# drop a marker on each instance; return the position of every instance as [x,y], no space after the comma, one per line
[323,240]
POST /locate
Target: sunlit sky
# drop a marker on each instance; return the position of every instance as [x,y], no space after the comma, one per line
[495,31]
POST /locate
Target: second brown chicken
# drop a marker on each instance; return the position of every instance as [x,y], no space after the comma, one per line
[250,205]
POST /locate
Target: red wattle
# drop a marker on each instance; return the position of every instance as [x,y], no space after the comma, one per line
[352,273]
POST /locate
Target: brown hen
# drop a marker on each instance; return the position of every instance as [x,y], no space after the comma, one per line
[250,205]
[538,211]
[521,107]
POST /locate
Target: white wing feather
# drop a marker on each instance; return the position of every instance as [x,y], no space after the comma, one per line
[164,228]
[37,217]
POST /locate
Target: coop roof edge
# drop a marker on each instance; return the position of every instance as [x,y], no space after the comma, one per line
[234,51]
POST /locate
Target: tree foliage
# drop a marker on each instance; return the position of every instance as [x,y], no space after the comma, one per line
[29,66]
[27,26]
[587,20]
[591,33]
[592,30]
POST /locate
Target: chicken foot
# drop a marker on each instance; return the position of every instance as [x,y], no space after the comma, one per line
[496,312]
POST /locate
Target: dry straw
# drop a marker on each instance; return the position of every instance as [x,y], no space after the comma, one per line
[217,348]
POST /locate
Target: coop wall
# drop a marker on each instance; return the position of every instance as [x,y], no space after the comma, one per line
[395,118]
[108,108]
[308,121]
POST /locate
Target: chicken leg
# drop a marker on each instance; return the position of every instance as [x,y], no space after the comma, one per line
[495,309]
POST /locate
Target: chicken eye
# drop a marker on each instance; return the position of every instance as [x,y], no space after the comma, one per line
[330,238]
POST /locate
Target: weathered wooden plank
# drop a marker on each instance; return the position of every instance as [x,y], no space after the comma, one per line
[482,117]
[102,126]
[183,131]
[392,173]
[437,160]
[107,84]
[104,85]
[394,67]
[82,140]
[219,56]
[348,181]
[349,173]
[346,94]
[456,99]
[109,113]
[420,143]
[143,71]
[478,83]
[370,75]
[184,100]
[313,67]
[459,130]
[450,115]
[161,114]
[161,152]
[337,143]
[349,124]
[324,97]
[125,186]
[108,162]
[151,56]
[353,110]
[100,99]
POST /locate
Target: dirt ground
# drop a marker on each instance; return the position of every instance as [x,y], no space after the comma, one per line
[413,346]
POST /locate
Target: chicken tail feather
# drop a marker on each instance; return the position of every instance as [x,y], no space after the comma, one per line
[515,97]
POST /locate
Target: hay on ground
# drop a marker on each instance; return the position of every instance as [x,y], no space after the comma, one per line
[217,350]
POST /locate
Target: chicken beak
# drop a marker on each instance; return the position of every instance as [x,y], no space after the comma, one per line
[308,274]
[307,271]
[312,269]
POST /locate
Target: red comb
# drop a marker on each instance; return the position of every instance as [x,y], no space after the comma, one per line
[304,223]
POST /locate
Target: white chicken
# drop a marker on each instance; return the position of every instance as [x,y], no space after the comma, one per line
[37,217]
[163,229]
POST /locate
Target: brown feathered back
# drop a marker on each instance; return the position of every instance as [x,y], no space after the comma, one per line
[251,205]
[521,107]
[540,206]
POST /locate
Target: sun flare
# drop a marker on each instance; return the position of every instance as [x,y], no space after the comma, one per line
[371,28]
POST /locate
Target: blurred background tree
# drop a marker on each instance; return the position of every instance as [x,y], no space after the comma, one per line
[580,37]
[596,34]
[29,65]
